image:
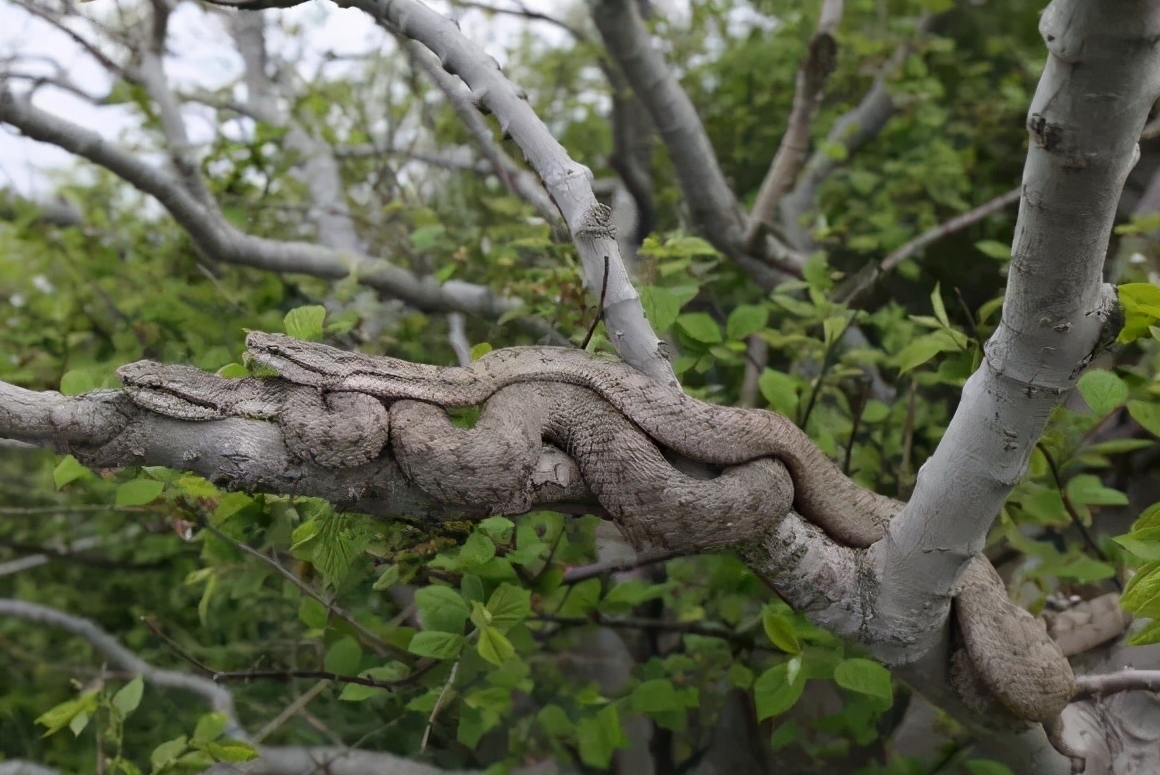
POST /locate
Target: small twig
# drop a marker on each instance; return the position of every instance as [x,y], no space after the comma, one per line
[865,279]
[829,358]
[597,569]
[1072,511]
[636,623]
[756,359]
[457,335]
[290,711]
[438,705]
[1094,686]
[815,69]
[860,407]
[599,310]
[287,675]
[381,647]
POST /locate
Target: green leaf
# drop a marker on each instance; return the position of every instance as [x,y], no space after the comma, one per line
[1144,544]
[1088,490]
[472,588]
[656,696]
[1147,414]
[509,605]
[599,736]
[775,692]
[480,350]
[994,249]
[494,646]
[1149,518]
[661,306]
[313,613]
[305,323]
[344,657]
[1147,636]
[128,697]
[780,390]
[437,645]
[580,599]
[77,381]
[388,578]
[498,529]
[166,754]
[69,470]
[62,715]
[210,727]
[922,349]
[1141,305]
[940,311]
[138,492]
[744,320]
[700,327]
[233,751]
[359,692]
[986,767]
[1102,390]
[441,608]
[865,677]
[476,550]
[780,630]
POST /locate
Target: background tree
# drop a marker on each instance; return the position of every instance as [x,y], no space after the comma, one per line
[835,251]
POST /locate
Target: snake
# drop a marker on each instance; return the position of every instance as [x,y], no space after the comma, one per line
[623,429]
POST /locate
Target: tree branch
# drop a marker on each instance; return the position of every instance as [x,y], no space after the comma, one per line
[853,130]
[795,144]
[218,698]
[1056,314]
[569,183]
[220,241]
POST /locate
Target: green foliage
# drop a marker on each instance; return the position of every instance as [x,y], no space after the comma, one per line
[476,634]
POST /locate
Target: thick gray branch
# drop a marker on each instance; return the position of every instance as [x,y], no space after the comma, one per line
[1101,80]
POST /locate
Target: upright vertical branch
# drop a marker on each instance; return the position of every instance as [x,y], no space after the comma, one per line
[791,154]
[1101,80]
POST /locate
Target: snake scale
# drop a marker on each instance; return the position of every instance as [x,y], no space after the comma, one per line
[611,419]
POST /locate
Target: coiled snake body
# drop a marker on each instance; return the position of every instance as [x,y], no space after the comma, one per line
[610,419]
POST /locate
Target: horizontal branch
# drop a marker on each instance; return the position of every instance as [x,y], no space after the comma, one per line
[221,241]
[217,697]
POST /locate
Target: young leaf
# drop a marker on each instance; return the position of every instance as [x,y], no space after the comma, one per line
[1102,390]
[437,645]
[344,657]
[494,646]
[305,322]
[128,697]
[775,692]
[865,677]
[138,492]
[780,631]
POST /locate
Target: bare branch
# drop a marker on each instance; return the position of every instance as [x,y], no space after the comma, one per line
[1095,686]
[713,207]
[569,183]
[218,698]
[221,241]
[795,144]
[517,180]
[852,131]
[523,12]
[865,278]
